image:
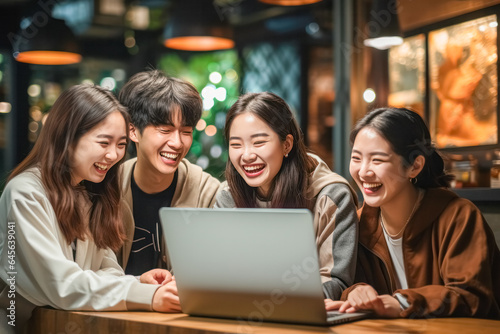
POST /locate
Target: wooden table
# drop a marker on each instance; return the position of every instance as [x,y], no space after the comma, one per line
[58,322]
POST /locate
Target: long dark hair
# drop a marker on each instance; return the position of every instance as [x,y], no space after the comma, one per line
[75,112]
[409,137]
[288,188]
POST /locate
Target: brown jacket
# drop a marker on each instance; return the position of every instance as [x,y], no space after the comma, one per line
[452,262]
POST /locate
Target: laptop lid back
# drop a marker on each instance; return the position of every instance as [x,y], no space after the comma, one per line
[250,264]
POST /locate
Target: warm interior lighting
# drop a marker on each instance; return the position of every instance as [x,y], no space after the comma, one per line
[52,44]
[198,26]
[48,57]
[199,43]
[383,43]
[201,125]
[5,107]
[290,2]
[210,130]
[369,95]
[384,31]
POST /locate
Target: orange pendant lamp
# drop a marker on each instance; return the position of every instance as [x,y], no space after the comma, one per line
[198,26]
[289,2]
[46,42]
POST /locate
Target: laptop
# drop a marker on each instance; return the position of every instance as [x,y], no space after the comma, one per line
[252,265]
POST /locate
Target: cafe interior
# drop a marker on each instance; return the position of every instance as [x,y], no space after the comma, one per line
[331,60]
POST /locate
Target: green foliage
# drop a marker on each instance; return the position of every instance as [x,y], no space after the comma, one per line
[210,152]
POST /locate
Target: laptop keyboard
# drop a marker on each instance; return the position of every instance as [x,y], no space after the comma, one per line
[335,317]
[330,315]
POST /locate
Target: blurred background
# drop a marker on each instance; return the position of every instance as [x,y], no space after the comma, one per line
[331,60]
[272,48]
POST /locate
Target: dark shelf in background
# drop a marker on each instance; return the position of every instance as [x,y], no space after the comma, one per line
[479,194]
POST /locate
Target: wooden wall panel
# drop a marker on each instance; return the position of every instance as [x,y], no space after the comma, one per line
[414,14]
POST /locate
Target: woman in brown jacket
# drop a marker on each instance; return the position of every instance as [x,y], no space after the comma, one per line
[423,251]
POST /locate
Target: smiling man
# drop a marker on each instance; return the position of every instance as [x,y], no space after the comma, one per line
[163,112]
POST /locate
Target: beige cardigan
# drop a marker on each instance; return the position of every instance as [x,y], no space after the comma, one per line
[195,189]
[44,270]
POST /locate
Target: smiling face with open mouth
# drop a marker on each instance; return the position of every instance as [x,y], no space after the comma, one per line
[99,149]
[160,149]
[378,170]
[256,151]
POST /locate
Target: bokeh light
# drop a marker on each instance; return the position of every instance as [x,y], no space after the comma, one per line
[108,82]
[210,130]
[201,125]
[34,90]
[215,77]
[369,95]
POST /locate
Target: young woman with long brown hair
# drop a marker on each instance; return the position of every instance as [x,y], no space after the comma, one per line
[60,215]
[269,166]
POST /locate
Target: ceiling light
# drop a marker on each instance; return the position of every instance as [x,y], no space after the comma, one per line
[197,26]
[383,27]
[289,2]
[48,42]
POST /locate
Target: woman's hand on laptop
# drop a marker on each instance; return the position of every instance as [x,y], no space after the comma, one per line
[365,297]
[166,298]
[156,276]
[333,305]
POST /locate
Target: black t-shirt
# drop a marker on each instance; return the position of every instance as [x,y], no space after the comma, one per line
[147,243]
